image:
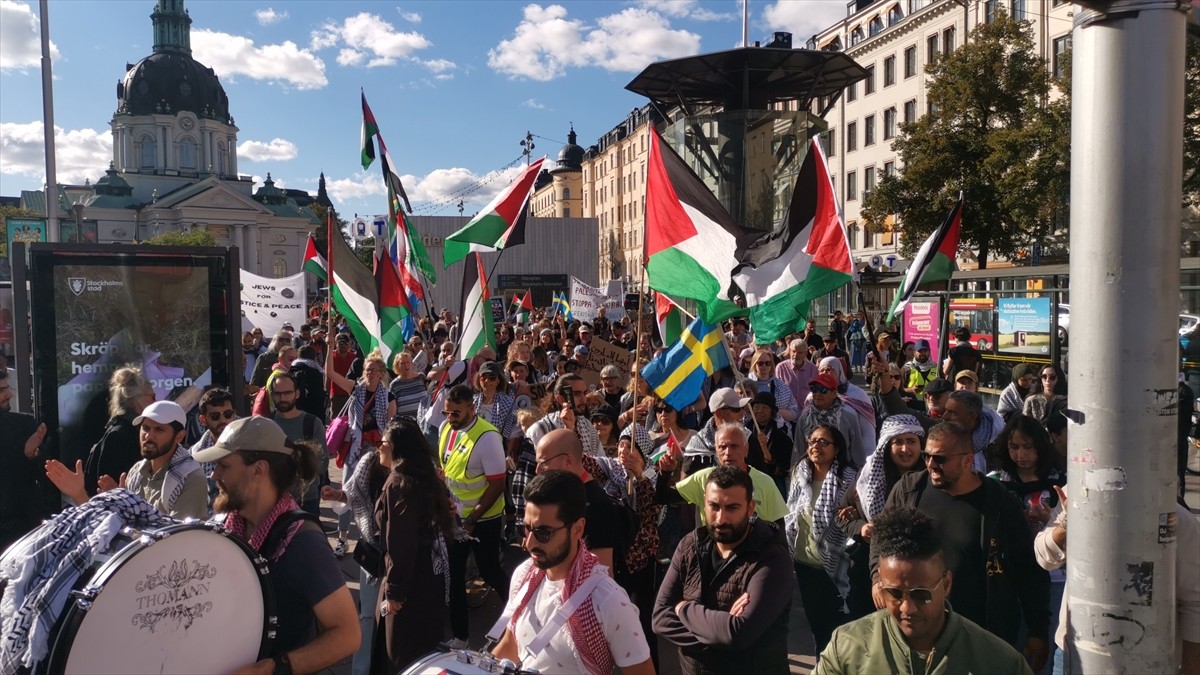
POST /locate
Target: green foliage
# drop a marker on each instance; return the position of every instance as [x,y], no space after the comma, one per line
[992,136]
[319,233]
[190,238]
[1191,126]
[17,212]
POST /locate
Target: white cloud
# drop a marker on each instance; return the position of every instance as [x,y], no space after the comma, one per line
[439,66]
[439,185]
[277,150]
[80,153]
[233,55]
[532,103]
[803,19]
[20,37]
[411,17]
[546,43]
[268,16]
[371,33]
[687,9]
[350,57]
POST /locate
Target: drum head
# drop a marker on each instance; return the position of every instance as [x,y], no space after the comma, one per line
[192,602]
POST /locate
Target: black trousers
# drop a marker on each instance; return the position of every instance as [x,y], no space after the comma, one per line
[822,604]
[487,557]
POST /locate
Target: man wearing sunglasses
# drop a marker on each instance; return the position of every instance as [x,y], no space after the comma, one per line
[917,625]
[987,543]
[216,412]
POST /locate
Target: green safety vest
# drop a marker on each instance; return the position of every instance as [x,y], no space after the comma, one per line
[916,379]
[454,451]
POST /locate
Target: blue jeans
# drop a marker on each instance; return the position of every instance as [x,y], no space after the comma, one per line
[368,598]
[1058,659]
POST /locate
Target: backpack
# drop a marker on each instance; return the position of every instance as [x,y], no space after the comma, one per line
[310,390]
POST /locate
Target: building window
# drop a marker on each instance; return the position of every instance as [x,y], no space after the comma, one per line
[868,181]
[851,92]
[889,169]
[910,62]
[222,156]
[875,26]
[856,36]
[910,111]
[870,85]
[851,136]
[930,108]
[567,212]
[868,130]
[894,15]
[1018,10]
[829,143]
[851,186]
[279,268]
[187,154]
[889,124]
[1061,46]
[889,71]
[566,193]
[931,49]
[989,10]
[148,152]
[948,41]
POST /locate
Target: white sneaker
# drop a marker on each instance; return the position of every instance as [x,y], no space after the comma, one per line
[340,549]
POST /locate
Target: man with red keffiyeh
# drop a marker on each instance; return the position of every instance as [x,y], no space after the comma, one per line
[256,467]
[565,614]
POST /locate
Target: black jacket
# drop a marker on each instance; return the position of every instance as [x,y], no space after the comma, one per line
[710,640]
[1016,585]
[22,503]
[114,454]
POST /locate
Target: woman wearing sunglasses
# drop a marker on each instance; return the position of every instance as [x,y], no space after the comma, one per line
[822,483]
[496,407]
[762,371]
[1048,397]
[829,409]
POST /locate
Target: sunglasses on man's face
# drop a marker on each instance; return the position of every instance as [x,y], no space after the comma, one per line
[920,596]
[216,416]
[940,460]
[544,533]
[819,389]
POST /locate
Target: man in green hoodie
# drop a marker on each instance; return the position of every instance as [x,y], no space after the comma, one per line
[917,632]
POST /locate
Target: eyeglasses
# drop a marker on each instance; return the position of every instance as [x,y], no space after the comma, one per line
[660,411]
[940,460]
[1050,376]
[819,389]
[488,376]
[920,596]
[544,533]
[546,461]
[820,442]
[452,413]
[216,416]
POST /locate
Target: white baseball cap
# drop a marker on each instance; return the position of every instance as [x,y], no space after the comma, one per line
[163,412]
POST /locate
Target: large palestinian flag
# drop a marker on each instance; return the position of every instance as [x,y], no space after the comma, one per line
[808,257]
[934,262]
[354,292]
[501,223]
[691,240]
[477,327]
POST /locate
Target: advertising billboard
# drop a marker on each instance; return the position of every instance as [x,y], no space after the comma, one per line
[923,321]
[1023,326]
[172,312]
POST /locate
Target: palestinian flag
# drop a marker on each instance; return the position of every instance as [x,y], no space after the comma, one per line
[369,131]
[353,289]
[314,262]
[782,273]
[394,304]
[522,306]
[478,330]
[670,319]
[500,224]
[936,260]
[667,445]
[691,240]
[392,180]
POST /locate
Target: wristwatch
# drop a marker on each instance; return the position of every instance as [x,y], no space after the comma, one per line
[283,666]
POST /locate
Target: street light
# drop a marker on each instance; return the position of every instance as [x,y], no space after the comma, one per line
[77,207]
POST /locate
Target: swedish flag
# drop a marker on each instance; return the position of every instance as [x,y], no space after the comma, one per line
[677,375]
[561,306]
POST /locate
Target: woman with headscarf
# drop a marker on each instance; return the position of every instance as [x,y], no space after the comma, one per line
[1012,399]
[853,396]
[762,371]
[829,409]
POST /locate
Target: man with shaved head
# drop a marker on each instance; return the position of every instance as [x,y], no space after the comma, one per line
[561,449]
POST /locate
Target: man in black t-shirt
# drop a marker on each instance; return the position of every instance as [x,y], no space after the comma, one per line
[561,449]
[962,356]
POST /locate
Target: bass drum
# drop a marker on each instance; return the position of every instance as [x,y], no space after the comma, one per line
[462,662]
[185,598]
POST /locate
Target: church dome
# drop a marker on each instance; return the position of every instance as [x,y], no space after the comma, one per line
[570,157]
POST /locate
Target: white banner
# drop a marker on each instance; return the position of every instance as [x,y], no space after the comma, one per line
[585,299]
[269,303]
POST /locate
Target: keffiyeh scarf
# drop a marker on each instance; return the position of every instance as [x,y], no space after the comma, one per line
[498,413]
[829,536]
[583,627]
[872,480]
[358,494]
[178,469]
[236,525]
[849,393]
[358,404]
[704,443]
[40,570]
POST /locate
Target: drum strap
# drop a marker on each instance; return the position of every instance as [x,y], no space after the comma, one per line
[280,529]
[557,620]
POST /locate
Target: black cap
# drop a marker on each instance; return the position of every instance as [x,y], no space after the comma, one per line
[605,411]
[765,398]
[938,386]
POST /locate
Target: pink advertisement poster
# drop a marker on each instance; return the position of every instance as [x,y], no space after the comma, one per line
[922,322]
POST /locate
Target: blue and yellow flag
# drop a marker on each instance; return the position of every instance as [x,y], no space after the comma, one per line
[561,306]
[677,375]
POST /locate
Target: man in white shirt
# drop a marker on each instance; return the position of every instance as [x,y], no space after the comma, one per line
[593,636]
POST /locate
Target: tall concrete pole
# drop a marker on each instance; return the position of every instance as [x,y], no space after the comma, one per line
[1126,182]
[48,126]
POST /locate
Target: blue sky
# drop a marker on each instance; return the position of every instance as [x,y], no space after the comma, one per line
[454,84]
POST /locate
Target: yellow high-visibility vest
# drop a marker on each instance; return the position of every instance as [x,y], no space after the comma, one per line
[454,452]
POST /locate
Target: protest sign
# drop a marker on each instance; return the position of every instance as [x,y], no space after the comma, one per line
[269,303]
[602,353]
[585,300]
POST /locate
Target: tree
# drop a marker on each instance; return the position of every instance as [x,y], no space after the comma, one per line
[319,232]
[189,238]
[990,134]
[1191,127]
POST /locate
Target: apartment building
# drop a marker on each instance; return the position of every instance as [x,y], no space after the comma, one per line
[895,40]
[557,192]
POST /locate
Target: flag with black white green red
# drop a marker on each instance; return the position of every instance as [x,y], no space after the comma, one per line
[691,240]
[500,224]
[394,304]
[354,293]
[478,330]
[369,131]
[664,446]
[807,257]
[314,262]
[522,306]
[669,317]
[936,261]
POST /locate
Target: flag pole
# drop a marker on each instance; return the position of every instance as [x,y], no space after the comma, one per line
[637,345]
[330,215]
[464,322]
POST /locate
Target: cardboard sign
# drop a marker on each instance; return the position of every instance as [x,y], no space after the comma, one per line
[602,353]
[586,299]
[498,316]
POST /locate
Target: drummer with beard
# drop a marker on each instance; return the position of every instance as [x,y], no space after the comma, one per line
[256,467]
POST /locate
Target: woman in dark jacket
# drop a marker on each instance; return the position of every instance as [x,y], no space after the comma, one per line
[414,520]
[119,448]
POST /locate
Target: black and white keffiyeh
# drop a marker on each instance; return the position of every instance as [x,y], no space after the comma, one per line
[178,469]
[498,413]
[358,494]
[40,570]
[829,536]
[872,480]
[704,442]
[358,417]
